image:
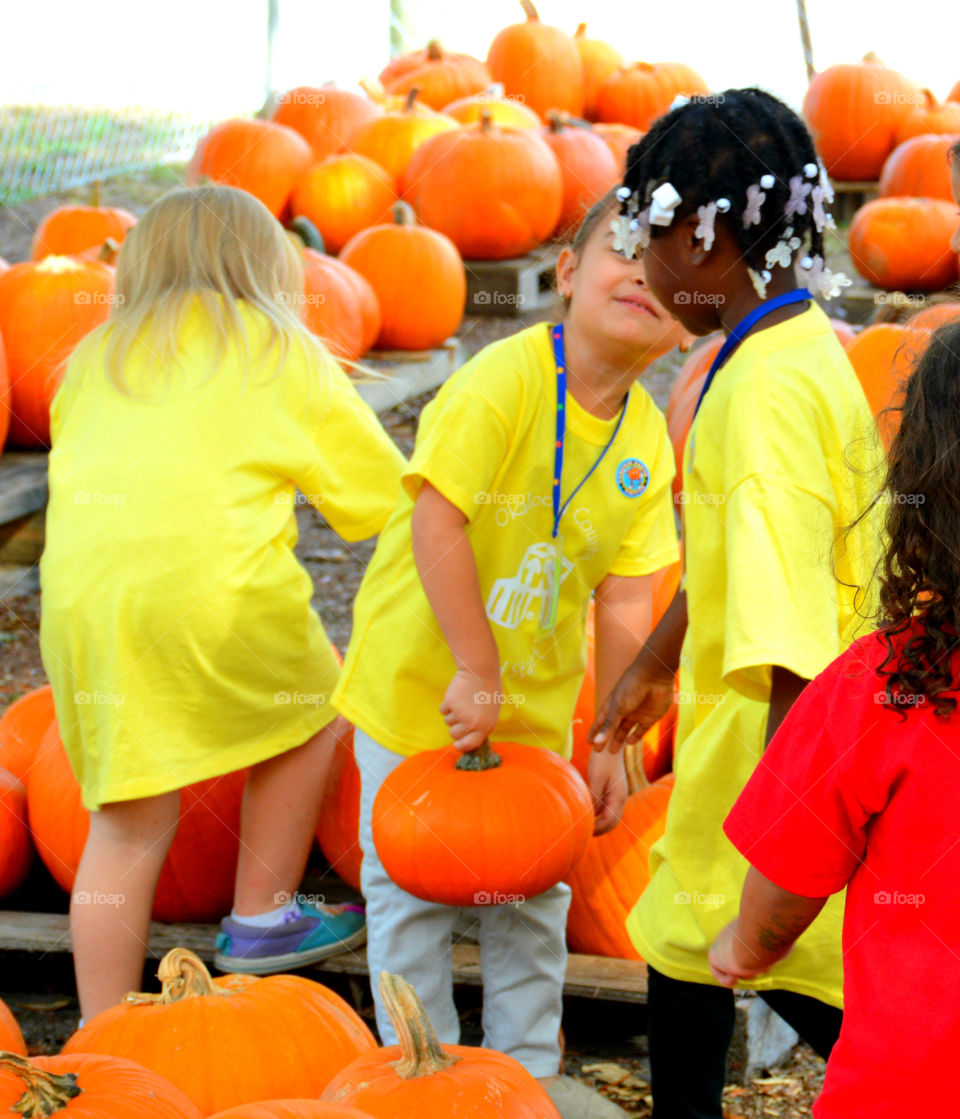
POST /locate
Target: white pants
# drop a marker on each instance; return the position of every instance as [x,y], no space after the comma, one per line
[522,948]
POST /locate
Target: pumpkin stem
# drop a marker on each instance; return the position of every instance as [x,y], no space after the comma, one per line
[434,50]
[307,233]
[421,1051]
[481,759]
[46,1092]
[183,976]
[403,214]
[581,31]
[871,58]
[555,120]
[486,119]
[411,97]
[94,193]
[108,251]
[528,7]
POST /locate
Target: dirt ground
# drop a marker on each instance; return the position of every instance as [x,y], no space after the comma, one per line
[606,1043]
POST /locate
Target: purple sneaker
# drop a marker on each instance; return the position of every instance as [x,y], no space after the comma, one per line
[301,938]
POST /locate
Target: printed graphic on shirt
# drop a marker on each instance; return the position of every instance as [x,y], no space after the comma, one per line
[526,595]
[633,477]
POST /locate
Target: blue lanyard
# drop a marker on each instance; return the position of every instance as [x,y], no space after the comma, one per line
[798,295]
[560,359]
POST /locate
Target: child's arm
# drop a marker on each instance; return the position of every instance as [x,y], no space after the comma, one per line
[448,571]
[785,688]
[770,921]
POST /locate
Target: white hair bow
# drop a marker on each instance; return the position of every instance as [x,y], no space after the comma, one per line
[663,202]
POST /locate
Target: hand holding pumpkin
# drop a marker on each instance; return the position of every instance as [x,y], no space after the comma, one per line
[471,707]
[640,698]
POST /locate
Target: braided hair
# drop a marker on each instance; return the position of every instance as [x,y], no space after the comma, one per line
[716,147]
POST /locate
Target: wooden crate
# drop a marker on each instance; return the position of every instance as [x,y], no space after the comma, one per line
[512,287]
[23,497]
[849,198]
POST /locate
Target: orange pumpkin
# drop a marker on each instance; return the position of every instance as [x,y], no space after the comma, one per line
[505,112]
[466,829]
[639,92]
[883,357]
[419,279]
[11,1039]
[342,195]
[929,118]
[16,850]
[613,873]
[854,112]
[231,1040]
[919,167]
[77,229]
[587,165]
[844,332]
[904,243]
[45,309]
[86,1086]
[441,76]
[392,138]
[259,156]
[191,888]
[495,192]
[325,117]
[931,318]
[538,63]
[23,725]
[599,60]
[292,1109]
[420,1077]
[338,828]
[619,138]
[4,395]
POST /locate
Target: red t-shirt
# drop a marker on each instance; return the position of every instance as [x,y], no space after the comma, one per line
[850,794]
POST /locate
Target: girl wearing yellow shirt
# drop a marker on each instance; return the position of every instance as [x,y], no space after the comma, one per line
[470,619]
[177,630]
[727,190]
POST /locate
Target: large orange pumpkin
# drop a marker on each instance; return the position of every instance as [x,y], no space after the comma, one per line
[883,357]
[587,165]
[495,192]
[919,167]
[599,60]
[16,850]
[392,138]
[77,229]
[538,63]
[11,1039]
[196,883]
[86,1086]
[45,309]
[613,873]
[342,195]
[22,726]
[904,243]
[292,1109]
[442,76]
[326,117]
[931,318]
[505,112]
[506,821]
[854,112]
[639,92]
[419,279]
[420,1077]
[619,138]
[338,828]
[929,118]
[259,156]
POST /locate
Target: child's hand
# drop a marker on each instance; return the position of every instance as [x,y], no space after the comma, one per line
[635,704]
[471,708]
[607,780]
[731,960]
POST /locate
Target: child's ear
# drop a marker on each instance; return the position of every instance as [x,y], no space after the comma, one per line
[566,265]
[692,243]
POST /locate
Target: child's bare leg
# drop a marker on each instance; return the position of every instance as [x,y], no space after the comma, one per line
[113,895]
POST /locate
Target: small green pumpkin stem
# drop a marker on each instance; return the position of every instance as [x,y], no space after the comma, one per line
[555,120]
[421,1051]
[304,229]
[481,759]
[108,251]
[411,97]
[183,976]
[46,1092]
[434,50]
[403,213]
[486,119]
[531,11]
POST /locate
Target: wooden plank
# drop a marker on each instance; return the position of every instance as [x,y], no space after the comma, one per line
[18,579]
[511,287]
[23,483]
[407,373]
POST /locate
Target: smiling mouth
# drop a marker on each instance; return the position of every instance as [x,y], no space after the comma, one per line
[638,304]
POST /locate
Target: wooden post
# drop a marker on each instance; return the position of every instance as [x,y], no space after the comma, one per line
[273,18]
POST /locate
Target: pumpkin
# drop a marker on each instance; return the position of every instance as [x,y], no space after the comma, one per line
[77,229]
[4,395]
[854,112]
[930,318]
[619,138]
[929,118]
[292,1109]
[432,1081]
[954,94]
[495,192]
[539,64]
[883,356]
[587,166]
[392,138]
[471,828]
[441,76]
[904,243]
[45,309]
[87,1086]
[259,156]
[342,195]
[599,60]
[338,828]
[11,1039]
[419,279]
[16,850]
[22,726]
[196,883]
[613,873]
[639,92]
[231,1040]
[505,112]
[919,167]
[326,117]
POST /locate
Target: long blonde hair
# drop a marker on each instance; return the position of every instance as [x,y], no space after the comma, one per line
[212,243]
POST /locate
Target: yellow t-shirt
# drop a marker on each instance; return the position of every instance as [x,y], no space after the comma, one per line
[487,443]
[177,630]
[782,456]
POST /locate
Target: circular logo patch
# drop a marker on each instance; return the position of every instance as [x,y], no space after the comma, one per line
[633,477]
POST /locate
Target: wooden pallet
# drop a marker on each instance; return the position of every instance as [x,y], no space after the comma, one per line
[512,287]
[23,497]
[849,197]
[407,373]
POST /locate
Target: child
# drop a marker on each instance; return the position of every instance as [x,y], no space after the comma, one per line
[170,586]
[863,778]
[464,629]
[726,190]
